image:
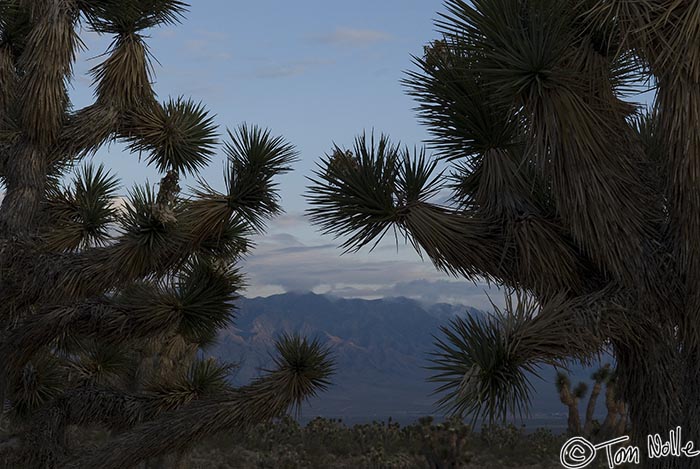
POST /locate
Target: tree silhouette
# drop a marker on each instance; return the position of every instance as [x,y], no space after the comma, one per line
[105,303]
[583,205]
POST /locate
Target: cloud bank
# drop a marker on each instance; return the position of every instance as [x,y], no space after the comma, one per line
[293,258]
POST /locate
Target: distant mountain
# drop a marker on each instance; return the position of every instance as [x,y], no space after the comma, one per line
[444,312]
[381,348]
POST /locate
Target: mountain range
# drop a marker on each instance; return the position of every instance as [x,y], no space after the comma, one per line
[382,348]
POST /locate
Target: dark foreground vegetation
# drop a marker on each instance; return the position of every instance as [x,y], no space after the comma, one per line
[324,443]
[328,443]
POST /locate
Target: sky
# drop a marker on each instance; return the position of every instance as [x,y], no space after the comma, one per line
[318,73]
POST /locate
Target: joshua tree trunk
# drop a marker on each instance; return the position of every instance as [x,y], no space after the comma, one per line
[574,420]
[690,405]
[182,460]
[621,427]
[644,379]
[598,378]
[25,182]
[608,426]
[2,409]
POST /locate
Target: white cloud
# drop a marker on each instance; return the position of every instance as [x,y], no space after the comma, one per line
[167,33]
[353,37]
[455,291]
[213,35]
[206,49]
[292,259]
[289,69]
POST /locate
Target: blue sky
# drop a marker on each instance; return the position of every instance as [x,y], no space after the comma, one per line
[318,73]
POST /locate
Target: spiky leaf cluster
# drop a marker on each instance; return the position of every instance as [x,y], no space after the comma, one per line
[255,158]
[180,135]
[484,366]
[81,215]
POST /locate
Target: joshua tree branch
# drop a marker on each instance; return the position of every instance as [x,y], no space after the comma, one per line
[45,63]
[90,273]
[4,156]
[267,397]
[43,442]
[471,245]
[86,130]
[101,319]
[68,276]
[363,194]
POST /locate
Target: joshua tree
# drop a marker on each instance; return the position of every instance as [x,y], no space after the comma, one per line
[615,423]
[571,398]
[105,303]
[563,190]
[600,377]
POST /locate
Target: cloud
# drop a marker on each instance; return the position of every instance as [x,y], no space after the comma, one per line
[213,35]
[167,33]
[208,46]
[205,49]
[283,261]
[353,37]
[289,69]
[290,220]
[429,291]
[285,239]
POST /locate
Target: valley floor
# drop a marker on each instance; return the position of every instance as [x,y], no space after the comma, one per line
[324,443]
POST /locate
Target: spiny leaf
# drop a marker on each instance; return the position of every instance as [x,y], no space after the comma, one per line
[131,16]
[203,378]
[205,295]
[180,135]
[82,214]
[484,365]
[123,80]
[354,193]
[580,390]
[255,158]
[39,382]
